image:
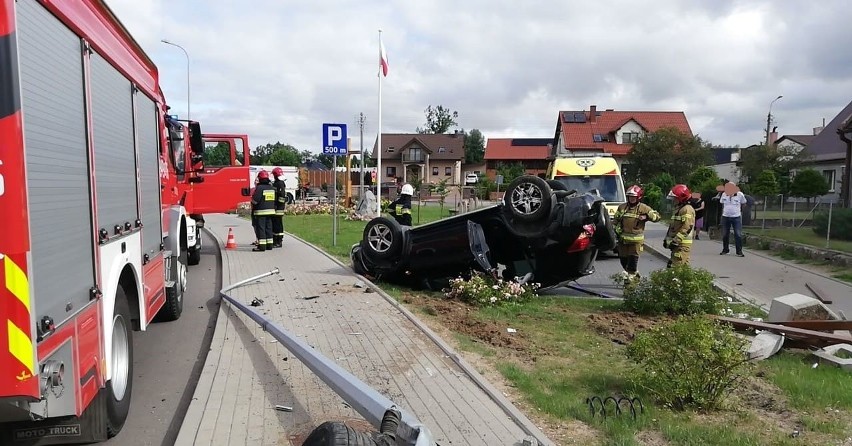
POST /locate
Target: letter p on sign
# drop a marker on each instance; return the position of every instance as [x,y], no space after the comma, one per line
[334,139]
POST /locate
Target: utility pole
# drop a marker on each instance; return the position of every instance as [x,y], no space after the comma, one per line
[361,120]
[769,118]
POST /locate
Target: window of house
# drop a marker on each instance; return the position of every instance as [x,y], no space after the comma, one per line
[829,178]
[629,137]
[390,172]
[448,171]
[391,149]
[442,149]
[414,154]
[435,171]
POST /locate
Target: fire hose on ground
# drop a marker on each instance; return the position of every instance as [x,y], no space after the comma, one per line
[395,426]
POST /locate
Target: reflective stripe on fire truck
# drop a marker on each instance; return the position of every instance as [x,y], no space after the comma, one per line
[20,343]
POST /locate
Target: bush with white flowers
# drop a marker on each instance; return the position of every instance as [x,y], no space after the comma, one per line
[484,290]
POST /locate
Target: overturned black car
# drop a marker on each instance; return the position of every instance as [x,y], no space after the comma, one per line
[540,231]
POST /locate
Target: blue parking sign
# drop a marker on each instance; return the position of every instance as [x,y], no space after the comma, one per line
[334,139]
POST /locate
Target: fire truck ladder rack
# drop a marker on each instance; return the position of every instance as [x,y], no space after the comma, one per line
[371,404]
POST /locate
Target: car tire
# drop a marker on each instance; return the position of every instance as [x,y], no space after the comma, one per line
[357,261]
[604,238]
[120,386]
[173,307]
[382,238]
[335,433]
[193,256]
[528,198]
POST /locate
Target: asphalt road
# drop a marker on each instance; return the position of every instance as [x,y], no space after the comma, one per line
[169,356]
[601,281]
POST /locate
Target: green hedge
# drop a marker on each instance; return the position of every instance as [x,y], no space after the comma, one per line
[841,224]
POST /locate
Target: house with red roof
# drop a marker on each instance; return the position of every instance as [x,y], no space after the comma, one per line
[609,131]
[531,152]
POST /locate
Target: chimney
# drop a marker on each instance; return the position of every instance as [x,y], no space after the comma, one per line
[773,136]
[817,130]
[593,109]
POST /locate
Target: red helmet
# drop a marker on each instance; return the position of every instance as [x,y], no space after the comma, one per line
[263,175]
[635,191]
[277,171]
[681,193]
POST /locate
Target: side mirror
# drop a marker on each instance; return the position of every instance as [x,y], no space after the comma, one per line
[245,191]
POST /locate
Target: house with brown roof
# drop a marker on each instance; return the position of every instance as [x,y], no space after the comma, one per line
[829,154]
[531,152]
[430,157]
[591,132]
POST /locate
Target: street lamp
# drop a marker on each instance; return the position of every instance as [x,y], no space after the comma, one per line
[188,116]
[769,118]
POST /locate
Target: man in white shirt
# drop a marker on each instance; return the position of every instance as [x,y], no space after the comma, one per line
[732,202]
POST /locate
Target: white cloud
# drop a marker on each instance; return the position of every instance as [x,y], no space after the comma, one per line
[278,69]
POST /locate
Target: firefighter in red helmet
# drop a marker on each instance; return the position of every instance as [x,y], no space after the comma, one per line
[679,236]
[280,203]
[263,201]
[629,222]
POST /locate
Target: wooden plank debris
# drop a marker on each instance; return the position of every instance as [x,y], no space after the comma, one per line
[818,293]
[811,337]
[818,325]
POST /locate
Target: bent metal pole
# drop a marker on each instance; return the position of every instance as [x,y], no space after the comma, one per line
[364,399]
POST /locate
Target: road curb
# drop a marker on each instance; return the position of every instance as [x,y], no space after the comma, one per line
[516,415]
[198,405]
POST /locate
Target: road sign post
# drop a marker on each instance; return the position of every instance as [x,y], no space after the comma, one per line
[334,143]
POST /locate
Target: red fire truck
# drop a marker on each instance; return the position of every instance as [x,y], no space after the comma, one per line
[94,231]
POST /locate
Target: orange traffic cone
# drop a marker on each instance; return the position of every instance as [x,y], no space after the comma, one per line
[231,244]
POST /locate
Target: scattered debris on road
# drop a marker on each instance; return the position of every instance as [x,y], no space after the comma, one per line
[310,297]
[256,302]
[283,408]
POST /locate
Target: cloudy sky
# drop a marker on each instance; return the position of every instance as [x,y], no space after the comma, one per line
[278,69]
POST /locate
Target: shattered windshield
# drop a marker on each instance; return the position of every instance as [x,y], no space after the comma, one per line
[609,186]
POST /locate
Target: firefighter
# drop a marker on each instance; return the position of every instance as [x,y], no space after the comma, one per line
[401,207]
[679,236]
[629,222]
[263,201]
[280,203]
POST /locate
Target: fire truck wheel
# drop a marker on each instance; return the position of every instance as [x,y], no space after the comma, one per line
[120,385]
[173,307]
[335,433]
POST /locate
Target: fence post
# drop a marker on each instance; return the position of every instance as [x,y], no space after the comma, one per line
[781,213]
[828,231]
[763,221]
[793,224]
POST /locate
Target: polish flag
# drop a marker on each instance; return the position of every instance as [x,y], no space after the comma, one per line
[383,58]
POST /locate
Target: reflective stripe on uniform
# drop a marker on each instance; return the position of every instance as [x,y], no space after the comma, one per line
[634,238]
[269,195]
[265,212]
[279,212]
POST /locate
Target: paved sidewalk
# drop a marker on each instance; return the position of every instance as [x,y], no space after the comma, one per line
[757,277]
[247,372]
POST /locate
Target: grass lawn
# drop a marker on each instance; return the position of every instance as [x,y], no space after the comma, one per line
[316,229]
[804,236]
[566,350]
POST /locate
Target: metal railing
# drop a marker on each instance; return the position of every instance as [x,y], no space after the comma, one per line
[369,403]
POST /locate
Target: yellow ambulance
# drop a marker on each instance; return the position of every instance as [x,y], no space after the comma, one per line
[590,173]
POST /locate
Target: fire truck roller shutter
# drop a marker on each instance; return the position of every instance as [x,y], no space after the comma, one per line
[57,163]
[149,174]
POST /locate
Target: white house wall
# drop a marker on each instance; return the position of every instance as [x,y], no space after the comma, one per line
[629,127]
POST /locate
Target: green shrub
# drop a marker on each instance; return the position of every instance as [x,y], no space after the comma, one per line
[841,223]
[693,362]
[483,290]
[678,290]
[653,196]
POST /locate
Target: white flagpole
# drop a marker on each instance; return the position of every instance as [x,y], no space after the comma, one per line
[378,152]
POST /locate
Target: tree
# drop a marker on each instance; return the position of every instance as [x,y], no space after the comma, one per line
[439,120]
[667,150]
[782,160]
[276,154]
[808,183]
[218,155]
[703,180]
[510,171]
[765,185]
[474,147]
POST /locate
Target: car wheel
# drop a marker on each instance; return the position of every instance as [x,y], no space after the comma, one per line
[528,198]
[604,233]
[357,261]
[382,238]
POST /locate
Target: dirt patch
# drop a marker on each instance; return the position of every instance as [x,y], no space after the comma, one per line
[621,327]
[458,317]
[767,402]
[651,438]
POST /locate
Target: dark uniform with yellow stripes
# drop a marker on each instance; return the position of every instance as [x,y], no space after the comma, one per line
[278,219]
[400,209]
[264,211]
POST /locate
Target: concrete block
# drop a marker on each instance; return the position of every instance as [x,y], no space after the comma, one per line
[798,307]
[838,354]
